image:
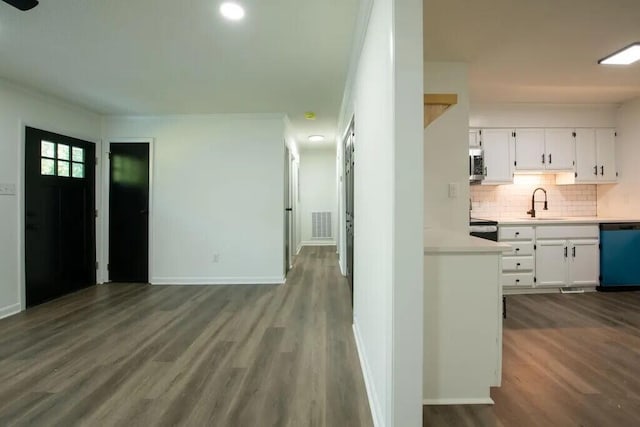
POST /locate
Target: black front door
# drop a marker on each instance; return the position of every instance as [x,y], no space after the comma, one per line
[349,163]
[60,248]
[129,212]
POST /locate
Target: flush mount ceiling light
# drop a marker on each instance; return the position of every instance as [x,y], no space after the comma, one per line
[310,115]
[232,11]
[626,56]
[316,138]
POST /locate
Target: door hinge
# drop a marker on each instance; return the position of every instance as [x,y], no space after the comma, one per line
[109,153]
[108,267]
[97,265]
[96,213]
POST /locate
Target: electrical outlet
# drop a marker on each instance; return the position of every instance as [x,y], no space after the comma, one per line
[216,258]
[453,190]
[7,189]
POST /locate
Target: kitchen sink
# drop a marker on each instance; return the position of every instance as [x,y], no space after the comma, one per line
[545,219]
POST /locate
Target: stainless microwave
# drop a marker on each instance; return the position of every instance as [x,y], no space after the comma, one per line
[477,171]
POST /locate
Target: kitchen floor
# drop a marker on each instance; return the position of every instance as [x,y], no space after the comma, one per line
[242,355]
[568,360]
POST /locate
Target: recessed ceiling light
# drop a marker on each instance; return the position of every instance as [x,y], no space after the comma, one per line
[232,11]
[316,138]
[626,56]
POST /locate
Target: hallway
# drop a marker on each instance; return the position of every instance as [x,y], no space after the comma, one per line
[243,355]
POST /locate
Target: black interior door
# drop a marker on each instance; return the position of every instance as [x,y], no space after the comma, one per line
[60,248]
[287,210]
[129,212]
[349,163]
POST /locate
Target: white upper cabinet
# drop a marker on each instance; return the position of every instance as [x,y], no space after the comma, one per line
[498,146]
[559,149]
[586,163]
[474,138]
[606,155]
[544,149]
[595,157]
[530,153]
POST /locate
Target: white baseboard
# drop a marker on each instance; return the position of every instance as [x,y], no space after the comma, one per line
[460,401]
[550,290]
[218,280]
[319,243]
[376,410]
[9,310]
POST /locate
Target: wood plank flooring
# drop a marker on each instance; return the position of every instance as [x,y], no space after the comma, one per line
[569,360]
[125,354]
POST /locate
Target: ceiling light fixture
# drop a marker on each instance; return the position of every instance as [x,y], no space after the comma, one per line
[626,56]
[232,11]
[316,138]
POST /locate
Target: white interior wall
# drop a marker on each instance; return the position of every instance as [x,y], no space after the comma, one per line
[218,188]
[19,108]
[542,115]
[317,191]
[621,200]
[384,92]
[446,150]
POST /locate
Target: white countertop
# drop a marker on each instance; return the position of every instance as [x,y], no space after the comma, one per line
[437,241]
[561,220]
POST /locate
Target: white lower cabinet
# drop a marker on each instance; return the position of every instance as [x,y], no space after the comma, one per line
[584,262]
[551,263]
[553,256]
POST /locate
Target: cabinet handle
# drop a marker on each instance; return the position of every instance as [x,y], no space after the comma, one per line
[517,280]
[517,249]
[565,252]
[517,264]
[517,233]
[549,158]
[601,170]
[595,170]
[543,158]
[573,251]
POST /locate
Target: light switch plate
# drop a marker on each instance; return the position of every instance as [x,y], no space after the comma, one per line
[7,189]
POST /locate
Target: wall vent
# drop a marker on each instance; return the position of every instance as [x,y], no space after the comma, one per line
[321,225]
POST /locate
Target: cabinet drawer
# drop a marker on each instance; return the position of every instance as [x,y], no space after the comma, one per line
[567,232]
[517,279]
[517,263]
[515,233]
[520,249]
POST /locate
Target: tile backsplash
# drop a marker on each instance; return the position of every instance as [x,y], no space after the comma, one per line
[514,200]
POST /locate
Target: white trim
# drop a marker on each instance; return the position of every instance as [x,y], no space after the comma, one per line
[218,116]
[460,401]
[376,410]
[10,310]
[104,214]
[275,280]
[318,243]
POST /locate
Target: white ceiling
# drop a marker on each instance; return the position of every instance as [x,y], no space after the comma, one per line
[536,50]
[180,57]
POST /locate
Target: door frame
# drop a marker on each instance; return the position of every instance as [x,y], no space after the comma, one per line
[21,198]
[103,273]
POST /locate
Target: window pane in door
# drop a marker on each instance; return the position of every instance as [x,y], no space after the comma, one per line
[48,149]
[63,151]
[63,168]
[47,167]
[77,170]
[77,154]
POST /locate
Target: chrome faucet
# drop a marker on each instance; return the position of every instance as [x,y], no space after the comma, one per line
[532,212]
